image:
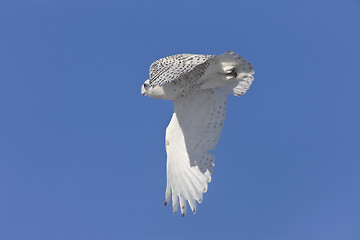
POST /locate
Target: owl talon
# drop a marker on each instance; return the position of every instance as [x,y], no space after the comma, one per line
[232,73]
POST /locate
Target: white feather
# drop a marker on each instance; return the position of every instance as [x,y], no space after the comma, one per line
[194,129]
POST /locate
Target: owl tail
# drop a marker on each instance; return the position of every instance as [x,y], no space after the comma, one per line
[235,72]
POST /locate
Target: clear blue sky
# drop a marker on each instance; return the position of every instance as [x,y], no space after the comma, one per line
[82,152]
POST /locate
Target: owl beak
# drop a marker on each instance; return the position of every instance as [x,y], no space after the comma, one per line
[144,88]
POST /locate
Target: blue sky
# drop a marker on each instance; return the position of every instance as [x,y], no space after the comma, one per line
[82,152]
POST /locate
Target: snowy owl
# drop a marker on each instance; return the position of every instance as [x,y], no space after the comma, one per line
[198,85]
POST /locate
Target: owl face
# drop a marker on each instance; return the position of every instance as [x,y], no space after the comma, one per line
[153,91]
[167,92]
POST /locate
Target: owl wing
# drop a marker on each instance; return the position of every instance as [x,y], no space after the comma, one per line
[174,67]
[194,129]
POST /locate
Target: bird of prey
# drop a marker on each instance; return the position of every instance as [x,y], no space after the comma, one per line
[198,85]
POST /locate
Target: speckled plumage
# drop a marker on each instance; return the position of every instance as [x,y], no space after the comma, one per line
[173,67]
[198,86]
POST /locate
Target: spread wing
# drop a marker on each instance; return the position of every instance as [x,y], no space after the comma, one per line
[194,129]
[171,68]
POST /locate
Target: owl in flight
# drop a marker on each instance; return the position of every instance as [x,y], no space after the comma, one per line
[198,85]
